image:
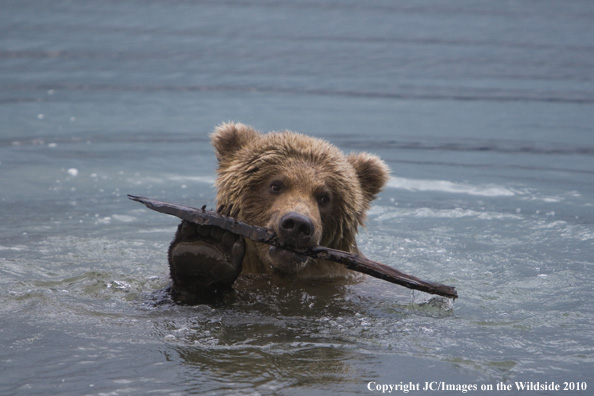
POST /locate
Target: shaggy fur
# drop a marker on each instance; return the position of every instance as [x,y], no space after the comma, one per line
[261,177]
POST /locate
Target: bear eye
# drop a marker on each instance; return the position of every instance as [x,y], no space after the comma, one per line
[324,200]
[275,187]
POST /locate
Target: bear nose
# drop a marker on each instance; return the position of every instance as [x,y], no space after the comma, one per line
[296,229]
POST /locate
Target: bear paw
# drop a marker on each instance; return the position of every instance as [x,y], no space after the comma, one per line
[204,261]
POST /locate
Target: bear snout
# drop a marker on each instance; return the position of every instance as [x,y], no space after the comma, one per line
[296,229]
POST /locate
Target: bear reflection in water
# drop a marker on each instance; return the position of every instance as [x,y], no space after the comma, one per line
[303,188]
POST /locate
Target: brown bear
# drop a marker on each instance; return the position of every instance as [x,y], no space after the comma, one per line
[303,188]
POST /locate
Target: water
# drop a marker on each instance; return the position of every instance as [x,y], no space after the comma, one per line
[483,110]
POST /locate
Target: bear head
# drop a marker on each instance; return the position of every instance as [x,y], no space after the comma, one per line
[303,188]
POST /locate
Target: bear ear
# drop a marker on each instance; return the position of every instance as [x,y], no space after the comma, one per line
[229,137]
[372,172]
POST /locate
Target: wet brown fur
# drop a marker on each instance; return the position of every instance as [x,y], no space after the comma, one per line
[314,178]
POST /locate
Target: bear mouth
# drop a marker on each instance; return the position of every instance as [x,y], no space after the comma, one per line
[287,261]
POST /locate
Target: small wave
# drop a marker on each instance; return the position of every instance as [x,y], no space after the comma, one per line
[124,218]
[456,213]
[195,179]
[460,213]
[16,248]
[168,178]
[406,92]
[451,187]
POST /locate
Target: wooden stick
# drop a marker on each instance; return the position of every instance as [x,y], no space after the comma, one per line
[260,234]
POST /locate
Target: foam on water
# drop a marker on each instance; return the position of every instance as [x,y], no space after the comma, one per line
[456,213]
[451,187]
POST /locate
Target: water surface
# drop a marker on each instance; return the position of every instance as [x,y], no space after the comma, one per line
[483,110]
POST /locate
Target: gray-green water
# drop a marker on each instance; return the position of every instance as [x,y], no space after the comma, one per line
[483,110]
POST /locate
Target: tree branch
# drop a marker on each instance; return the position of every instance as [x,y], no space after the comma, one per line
[260,234]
